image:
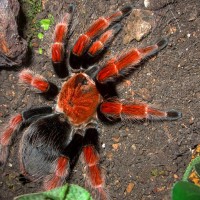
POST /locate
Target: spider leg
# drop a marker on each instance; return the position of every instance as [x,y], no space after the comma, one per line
[116,66]
[99,26]
[136,111]
[61,171]
[59,55]
[90,158]
[92,71]
[7,135]
[35,81]
[60,34]
[63,163]
[14,126]
[34,113]
[99,45]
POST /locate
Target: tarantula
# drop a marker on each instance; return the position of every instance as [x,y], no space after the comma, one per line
[52,140]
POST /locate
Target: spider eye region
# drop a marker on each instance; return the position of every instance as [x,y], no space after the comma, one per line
[78,99]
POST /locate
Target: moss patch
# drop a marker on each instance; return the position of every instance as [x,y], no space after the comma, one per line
[30,9]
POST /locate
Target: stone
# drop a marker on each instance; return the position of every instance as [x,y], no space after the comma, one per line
[13,48]
[139,25]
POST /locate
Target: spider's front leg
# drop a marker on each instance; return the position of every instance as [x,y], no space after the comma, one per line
[121,65]
[100,44]
[60,35]
[97,28]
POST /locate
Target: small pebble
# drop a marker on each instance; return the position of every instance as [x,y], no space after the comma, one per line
[191,121]
[146,3]
[10,164]
[175,176]
[116,138]
[115,146]
[130,187]
[133,147]
[109,155]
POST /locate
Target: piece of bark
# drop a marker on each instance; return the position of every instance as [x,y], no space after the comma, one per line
[13,48]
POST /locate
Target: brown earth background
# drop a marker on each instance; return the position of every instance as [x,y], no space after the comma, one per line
[142,160]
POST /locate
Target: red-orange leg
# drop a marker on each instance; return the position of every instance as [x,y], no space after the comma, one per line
[97,28]
[61,171]
[57,52]
[7,135]
[117,66]
[90,157]
[136,111]
[94,174]
[99,45]
[60,35]
[36,81]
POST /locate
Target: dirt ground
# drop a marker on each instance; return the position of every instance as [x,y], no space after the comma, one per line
[142,160]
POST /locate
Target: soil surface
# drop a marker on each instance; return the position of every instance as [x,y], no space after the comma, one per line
[142,160]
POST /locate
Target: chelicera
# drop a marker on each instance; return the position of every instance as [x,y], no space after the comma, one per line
[54,137]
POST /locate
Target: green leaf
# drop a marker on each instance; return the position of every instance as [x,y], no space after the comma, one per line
[185,191]
[40,51]
[66,192]
[45,23]
[197,169]
[40,36]
[190,167]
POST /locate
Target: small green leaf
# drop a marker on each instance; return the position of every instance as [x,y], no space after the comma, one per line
[40,36]
[185,191]
[45,23]
[66,192]
[40,51]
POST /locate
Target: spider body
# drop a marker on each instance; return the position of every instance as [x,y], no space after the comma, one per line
[78,99]
[53,138]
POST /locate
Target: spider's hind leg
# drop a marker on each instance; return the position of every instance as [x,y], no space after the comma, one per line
[64,163]
[35,113]
[14,126]
[91,160]
[7,136]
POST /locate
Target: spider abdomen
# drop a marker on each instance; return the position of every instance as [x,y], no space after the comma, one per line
[78,99]
[42,147]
